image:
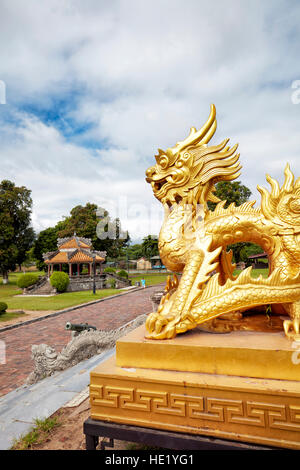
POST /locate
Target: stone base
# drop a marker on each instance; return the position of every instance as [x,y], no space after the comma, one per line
[242,386]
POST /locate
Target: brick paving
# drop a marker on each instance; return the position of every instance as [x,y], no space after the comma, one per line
[106,315]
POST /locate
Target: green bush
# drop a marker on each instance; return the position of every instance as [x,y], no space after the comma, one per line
[3,307]
[60,281]
[111,283]
[109,270]
[123,273]
[26,280]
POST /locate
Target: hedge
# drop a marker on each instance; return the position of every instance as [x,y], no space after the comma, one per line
[112,283]
[123,273]
[3,307]
[60,281]
[109,270]
[26,280]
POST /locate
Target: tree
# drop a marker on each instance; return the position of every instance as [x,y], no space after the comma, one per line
[231,191]
[46,241]
[83,220]
[237,193]
[135,251]
[16,234]
[150,246]
[24,244]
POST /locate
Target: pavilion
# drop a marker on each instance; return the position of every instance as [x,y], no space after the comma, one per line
[73,254]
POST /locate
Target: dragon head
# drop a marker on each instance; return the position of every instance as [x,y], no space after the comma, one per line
[188,172]
[282,205]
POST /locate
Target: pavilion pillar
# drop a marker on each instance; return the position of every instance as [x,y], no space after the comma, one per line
[90,269]
[78,268]
[70,269]
[48,270]
[60,267]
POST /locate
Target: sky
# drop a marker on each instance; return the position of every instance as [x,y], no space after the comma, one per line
[93,88]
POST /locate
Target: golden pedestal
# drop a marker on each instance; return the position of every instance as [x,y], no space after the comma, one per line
[242,386]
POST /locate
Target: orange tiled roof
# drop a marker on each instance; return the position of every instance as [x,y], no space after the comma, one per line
[73,243]
[61,257]
[98,258]
[79,251]
[79,256]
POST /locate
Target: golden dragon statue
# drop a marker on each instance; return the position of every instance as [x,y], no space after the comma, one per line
[193,240]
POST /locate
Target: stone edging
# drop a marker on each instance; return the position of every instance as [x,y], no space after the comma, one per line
[70,309]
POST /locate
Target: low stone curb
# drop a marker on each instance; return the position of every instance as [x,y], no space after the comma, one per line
[70,309]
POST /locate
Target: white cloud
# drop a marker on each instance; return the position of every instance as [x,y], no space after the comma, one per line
[140,74]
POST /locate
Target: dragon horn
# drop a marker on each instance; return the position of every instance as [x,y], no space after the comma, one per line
[202,136]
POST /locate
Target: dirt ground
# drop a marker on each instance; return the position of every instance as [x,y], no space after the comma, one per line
[69,435]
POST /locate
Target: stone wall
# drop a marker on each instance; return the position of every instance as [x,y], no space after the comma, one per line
[120,281]
[86,283]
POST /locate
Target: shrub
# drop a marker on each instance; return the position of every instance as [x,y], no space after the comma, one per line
[111,283]
[109,270]
[26,280]
[123,273]
[60,281]
[3,307]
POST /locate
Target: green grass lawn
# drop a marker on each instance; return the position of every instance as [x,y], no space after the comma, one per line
[9,292]
[151,278]
[57,302]
[255,272]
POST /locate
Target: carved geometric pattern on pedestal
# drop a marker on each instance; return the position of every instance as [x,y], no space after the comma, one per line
[266,415]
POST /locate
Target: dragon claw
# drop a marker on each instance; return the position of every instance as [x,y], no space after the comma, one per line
[292,328]
[160,326]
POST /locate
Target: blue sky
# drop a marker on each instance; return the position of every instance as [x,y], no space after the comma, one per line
[93,88]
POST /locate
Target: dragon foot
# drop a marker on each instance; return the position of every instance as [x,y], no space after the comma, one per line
[292,327]
[167,326]
[160,326]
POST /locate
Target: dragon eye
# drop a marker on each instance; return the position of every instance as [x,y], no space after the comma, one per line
[164,161]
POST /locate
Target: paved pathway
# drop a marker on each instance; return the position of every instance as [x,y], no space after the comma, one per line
[19,408]
[106,315]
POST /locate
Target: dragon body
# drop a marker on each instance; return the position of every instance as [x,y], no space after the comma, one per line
[193,239]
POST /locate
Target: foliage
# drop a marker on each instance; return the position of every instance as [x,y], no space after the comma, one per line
[60,281]
[248,250]
[16,233]
[46,241]
[230,191]
[26,280]
[86,222]
[112,283]
[234,191]
[38,434]
[109,270]
[135,252]
[150,246]
[3,307]
[24,244]
[123,273]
